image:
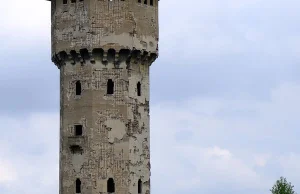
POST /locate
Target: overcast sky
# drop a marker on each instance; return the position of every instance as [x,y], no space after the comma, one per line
[225,97]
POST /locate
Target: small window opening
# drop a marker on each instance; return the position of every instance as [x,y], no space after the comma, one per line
[151,2]
[110,87]
[78,88]
[78,130]
[65,1]
[75,149]
[140,1]
[110,185]
[145,2]
[139,89]
[78,186]
[140,186]
[73,1]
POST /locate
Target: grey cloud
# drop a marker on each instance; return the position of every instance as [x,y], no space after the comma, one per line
[233,49]
[29,82]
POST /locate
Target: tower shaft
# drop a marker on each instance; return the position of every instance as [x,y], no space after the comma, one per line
[104,50]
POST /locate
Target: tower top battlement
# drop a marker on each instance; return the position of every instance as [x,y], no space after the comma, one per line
[104,24]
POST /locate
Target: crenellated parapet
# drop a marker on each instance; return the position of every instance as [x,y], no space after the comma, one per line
[116,57]
[106,24]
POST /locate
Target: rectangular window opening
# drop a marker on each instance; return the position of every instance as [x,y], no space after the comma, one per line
[78,186]
[78,88]
[110,87]
[151,2]
[139,88]
[140,186]
[78,130]
[65,1]
[110,185]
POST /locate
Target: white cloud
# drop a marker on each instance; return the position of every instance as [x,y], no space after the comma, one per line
[290,168]
[261,159]
[7,172]
[31,15]
[24,23]
[202,142]
[29,155]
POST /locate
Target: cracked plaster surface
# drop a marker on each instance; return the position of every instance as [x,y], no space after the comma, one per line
[115,140]
[104,24]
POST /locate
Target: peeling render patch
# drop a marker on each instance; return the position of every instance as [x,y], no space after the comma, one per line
[104,134]
[116,130]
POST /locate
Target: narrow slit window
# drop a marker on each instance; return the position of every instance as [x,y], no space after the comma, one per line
[110,185]
[151,2]
[78,88]
[139,88]
[78,186]
[139,186]
[65,1]
[78,130]
[145,2]
[110,86]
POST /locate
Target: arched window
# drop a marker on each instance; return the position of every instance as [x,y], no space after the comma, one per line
[110,86]
[140,186]
[110,185]
[138,88]
[78,186]
[78,88]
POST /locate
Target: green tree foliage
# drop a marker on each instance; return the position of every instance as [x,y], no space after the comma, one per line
[283,187]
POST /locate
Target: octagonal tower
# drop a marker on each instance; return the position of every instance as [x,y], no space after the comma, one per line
[103,49]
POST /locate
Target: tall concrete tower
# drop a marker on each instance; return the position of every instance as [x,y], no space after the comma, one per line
[104,49]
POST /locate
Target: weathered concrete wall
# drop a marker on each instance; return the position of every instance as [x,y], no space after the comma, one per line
[115,139]
[93,41]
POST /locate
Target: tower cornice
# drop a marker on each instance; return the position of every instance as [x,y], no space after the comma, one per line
[84,56]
